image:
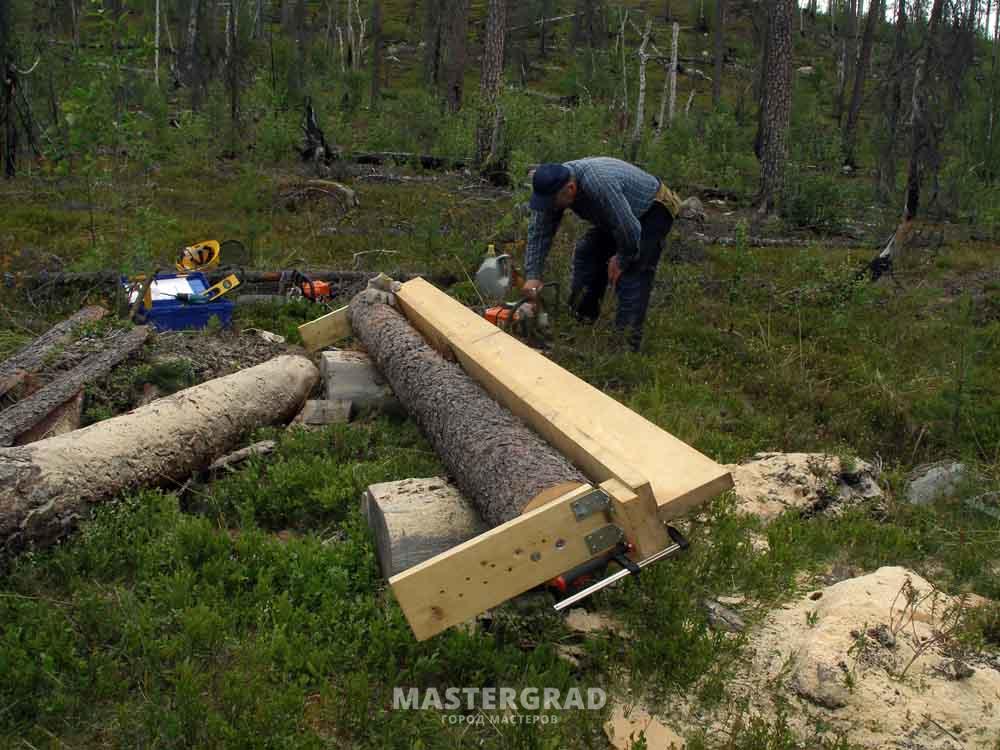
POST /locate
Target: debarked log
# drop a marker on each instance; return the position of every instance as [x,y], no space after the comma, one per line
[47,487]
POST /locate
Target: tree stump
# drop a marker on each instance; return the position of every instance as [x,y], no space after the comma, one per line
[495,459]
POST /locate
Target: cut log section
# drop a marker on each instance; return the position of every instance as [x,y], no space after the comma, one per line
[32,410]
[352,376]
[31,358]
[497,462]
[48,486]
[415,519]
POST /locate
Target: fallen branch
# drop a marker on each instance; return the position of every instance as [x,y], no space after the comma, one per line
[28,412]
[32,357]
[230,462]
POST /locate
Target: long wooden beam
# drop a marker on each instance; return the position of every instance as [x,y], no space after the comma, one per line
[604,438]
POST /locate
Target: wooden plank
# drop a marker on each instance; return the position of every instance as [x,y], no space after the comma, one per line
[606,439]
[495,566]
[326,330]
[636,514]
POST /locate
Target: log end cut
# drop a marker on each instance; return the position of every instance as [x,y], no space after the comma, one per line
[414,520]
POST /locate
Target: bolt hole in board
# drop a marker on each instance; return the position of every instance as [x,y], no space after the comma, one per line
[509,564]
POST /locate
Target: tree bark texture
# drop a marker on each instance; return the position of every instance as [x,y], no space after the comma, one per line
[849,56]
[777,104]
[433,13]
[496,461]
[720,51]
[491,82]
[47,487]
[893,104]
[31,358]
[854,108]
[457,20]
[191,44]
[921,133]
[28,412]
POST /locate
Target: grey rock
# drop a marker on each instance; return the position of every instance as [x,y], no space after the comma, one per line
[934,481]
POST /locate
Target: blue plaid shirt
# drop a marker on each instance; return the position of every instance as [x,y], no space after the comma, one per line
[611,194]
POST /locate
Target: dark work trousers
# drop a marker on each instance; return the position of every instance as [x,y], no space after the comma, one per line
[590,274]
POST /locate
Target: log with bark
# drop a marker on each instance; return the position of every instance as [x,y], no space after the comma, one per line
[496,461]
[32,357]
[47,487]
[32,410]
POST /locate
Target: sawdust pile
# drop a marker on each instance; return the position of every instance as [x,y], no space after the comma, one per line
[872,657]
[772,483]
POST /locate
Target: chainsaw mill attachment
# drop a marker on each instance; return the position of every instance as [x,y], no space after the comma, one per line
[638,476]
[578,578]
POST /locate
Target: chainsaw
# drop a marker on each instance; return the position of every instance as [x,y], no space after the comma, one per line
[525,318]
[297,285]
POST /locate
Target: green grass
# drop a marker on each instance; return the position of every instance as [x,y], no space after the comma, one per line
[249,612]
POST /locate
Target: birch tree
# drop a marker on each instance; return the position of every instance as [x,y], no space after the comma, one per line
[641,98]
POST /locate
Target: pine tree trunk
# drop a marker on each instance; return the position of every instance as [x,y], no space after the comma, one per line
[457,38]
[497,462]
[777,105]
[854,110]
[490,82]
[433,20]
[893,103]
[32,357]
[720,51]
[920,127]
[848,56]
[29,411]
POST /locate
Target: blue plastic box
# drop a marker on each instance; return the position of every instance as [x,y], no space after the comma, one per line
[173,315]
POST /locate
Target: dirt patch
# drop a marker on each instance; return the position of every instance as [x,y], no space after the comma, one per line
[215,355]
[868,657]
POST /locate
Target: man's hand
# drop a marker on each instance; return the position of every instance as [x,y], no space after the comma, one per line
[614,270]
[531,287]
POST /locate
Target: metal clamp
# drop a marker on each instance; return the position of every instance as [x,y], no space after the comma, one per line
[595,501]
[680,544]
[604,537]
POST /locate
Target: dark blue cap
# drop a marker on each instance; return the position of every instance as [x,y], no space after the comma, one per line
[549,179]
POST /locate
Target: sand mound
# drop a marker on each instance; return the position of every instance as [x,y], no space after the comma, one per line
[867,658]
